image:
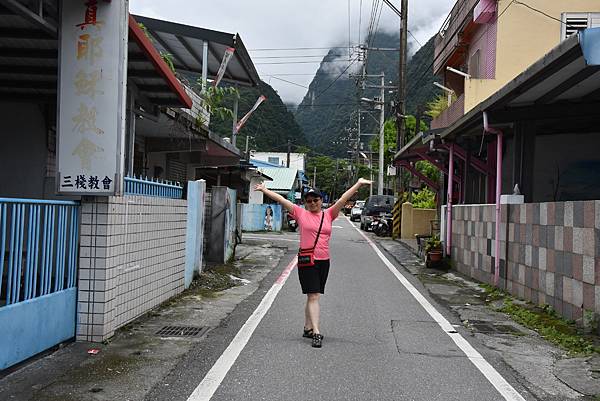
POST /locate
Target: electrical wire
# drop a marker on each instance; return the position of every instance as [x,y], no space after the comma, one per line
[289,82]
[416,40]
[335,80]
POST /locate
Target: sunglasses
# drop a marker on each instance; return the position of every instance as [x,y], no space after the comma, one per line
[312,200]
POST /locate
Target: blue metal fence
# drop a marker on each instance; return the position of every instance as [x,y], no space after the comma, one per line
[39,242]
[149,187]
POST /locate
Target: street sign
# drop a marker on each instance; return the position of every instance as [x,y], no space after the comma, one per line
[93,75]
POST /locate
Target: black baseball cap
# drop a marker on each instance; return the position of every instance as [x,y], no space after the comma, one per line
[314,192]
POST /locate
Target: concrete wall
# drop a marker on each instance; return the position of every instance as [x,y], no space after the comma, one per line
[254,217]
[132,258]
[416,221]
[23,154]
[523,37]
[220,243]
[255,197]
[552,257]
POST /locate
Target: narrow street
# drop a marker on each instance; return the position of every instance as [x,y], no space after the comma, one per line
[380,344]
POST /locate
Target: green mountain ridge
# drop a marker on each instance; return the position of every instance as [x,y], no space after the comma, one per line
[269,127]
[328,120]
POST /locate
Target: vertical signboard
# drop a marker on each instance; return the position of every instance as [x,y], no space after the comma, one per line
[92,90]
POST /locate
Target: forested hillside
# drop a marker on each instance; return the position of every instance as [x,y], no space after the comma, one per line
[270,126]
[329,119]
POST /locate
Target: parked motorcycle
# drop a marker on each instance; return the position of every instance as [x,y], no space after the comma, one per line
[292,225]
[384,225]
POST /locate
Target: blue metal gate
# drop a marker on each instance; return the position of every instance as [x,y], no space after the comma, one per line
[39,242]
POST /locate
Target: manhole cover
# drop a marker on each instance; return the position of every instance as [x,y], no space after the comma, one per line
[181,331]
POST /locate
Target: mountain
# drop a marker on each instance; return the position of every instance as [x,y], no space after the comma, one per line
[269,127]
[328,112]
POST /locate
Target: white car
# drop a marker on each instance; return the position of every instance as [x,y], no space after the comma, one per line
[357,210]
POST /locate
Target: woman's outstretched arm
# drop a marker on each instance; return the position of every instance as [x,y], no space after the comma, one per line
[339,205]
[289,206]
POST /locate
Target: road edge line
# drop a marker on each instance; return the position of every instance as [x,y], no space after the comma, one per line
[213,379]
[489,372]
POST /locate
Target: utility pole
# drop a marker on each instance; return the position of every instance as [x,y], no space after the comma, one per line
[333,193]
[289,149]
[381,136]
[358,144]
[247,154]
[401,110]
[315,177]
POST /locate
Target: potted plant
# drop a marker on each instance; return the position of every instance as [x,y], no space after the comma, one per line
[433,249]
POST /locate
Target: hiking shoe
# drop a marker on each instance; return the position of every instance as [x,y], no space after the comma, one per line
[317,340]
[308,333]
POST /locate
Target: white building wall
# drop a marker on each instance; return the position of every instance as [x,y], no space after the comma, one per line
[255,196]
[297,160]
[132,258]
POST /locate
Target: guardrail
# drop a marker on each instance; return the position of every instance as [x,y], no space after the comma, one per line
[39,242]
[150,187]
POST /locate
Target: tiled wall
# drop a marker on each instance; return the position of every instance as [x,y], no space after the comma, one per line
[132,258]
[553,254]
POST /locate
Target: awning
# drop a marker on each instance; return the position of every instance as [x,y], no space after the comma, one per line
[565,82]
[29,58]
[185,43]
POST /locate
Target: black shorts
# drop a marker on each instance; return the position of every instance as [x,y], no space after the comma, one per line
[313,278]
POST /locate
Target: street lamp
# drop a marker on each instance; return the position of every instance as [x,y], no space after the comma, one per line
[370,171]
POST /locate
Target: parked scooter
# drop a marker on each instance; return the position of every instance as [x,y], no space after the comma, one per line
[384,225]
[292,224]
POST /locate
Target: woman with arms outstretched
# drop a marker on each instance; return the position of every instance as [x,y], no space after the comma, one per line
[315,231]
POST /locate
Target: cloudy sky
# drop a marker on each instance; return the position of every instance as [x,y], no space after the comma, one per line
[287,24]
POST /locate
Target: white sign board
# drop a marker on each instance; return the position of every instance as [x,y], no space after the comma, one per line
[92,90]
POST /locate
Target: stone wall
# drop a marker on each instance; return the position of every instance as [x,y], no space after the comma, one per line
[552,257]
[132,258]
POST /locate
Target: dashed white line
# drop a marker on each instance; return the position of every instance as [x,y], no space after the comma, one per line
[504,388]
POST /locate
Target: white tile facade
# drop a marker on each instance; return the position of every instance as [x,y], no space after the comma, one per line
[132,258]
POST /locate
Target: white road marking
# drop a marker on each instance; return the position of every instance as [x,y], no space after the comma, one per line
[211,382]
[503,387]
[338,226]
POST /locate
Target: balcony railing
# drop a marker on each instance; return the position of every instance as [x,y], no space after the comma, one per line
[451,115]
[149,187]
[449,37]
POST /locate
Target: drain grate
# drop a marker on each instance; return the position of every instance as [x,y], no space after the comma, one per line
[181,331]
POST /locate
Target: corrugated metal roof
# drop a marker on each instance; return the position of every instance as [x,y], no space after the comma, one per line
[284,179]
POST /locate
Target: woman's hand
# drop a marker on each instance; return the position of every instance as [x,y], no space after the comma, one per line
[260,187]
[362,181]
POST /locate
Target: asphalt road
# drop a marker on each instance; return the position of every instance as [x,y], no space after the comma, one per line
[380,343]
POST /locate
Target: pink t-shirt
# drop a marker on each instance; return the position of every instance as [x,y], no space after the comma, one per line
[309,226]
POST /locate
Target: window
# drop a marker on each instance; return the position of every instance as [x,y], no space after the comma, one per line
[575,22]
[474,65]
[273,160]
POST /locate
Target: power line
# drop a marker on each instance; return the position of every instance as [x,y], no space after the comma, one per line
[303,62]
[416,40]
[297,48]
[290,82]
[338,77]
[299,56]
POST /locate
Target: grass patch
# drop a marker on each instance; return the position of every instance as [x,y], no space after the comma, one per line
[545,321]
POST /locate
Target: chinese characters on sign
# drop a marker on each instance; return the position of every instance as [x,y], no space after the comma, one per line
[92,95]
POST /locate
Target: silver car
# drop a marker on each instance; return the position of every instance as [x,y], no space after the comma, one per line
[357,210]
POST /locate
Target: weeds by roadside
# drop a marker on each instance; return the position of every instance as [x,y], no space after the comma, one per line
[545,321]
[215,279]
